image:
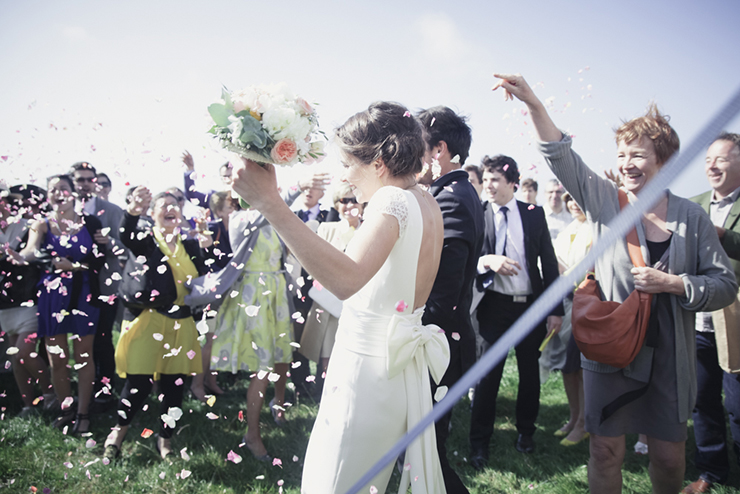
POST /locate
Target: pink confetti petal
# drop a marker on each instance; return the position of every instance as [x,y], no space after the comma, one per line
[233,457]
[277,462]
[455,336]
[401,306]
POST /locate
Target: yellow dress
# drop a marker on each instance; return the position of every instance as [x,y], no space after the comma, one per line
[254,327]
[154,344]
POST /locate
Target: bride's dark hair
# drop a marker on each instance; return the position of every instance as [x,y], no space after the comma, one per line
[385,131]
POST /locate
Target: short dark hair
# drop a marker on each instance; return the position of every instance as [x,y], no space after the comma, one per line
[220,199]
[64,177]
[385,131]
[731,137]
[129,193]
[442,124]
[505,165]
[82,165]
[105,175]
[162,195]
[475,169]
[529,183]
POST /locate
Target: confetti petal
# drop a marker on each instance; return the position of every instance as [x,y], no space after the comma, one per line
[234,457]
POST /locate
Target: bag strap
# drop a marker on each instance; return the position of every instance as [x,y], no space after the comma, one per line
[633,241]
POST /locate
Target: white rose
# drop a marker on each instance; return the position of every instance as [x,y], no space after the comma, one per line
[236,128]
[278,118]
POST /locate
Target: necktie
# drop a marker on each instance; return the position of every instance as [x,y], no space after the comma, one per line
[505,210]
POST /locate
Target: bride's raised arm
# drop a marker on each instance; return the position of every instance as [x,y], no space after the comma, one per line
[342,273]
[515,85]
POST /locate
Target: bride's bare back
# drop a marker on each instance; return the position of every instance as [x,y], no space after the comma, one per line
[432,241]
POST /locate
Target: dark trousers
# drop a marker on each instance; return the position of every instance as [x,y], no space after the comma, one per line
[131,402]
[103,352]
[453,484]
[496,313]
[710,428]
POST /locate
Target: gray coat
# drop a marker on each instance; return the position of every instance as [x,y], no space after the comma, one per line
[696,255]
[243,234]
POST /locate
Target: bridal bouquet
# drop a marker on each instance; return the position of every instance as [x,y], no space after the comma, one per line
[267,124]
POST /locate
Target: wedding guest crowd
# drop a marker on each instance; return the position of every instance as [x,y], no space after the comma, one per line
[238,300]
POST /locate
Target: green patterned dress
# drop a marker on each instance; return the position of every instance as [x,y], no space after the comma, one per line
[254,327]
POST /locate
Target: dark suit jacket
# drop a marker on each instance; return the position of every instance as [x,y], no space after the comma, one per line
[537,246]
[111,216]
[448,305]
[321,217]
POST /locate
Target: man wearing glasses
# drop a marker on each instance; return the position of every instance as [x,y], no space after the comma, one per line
[86,185]
[104,186]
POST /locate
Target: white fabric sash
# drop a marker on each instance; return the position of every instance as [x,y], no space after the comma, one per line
[416,351]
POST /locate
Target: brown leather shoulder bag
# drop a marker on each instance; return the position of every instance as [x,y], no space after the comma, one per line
[609,332]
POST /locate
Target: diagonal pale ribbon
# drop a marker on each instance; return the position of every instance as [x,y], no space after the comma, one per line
[544,304]
[417,351]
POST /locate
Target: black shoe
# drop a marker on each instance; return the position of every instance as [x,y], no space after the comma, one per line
[102,405]
[525,444]
[479,458]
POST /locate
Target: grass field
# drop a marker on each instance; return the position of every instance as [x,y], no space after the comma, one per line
[35,456]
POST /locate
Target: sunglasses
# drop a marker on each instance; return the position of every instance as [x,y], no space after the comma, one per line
[348,200]
[81,180]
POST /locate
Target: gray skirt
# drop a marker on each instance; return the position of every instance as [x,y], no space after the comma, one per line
[655,413]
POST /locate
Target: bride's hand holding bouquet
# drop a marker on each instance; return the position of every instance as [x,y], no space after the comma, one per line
[268,125]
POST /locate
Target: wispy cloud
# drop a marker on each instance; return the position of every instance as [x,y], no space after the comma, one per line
[440,36]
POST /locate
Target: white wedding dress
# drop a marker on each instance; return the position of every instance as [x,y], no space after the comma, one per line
[377,384]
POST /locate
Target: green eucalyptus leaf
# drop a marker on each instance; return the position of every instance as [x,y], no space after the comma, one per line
[253,132]
[226,96]
[220,114]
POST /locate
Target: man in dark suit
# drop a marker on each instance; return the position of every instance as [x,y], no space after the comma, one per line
[517,241]
[717,331]
[85,179]
[448,306]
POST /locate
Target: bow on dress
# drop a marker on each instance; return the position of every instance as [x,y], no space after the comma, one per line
[417,351]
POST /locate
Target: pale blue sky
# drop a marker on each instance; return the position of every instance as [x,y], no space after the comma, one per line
[147,71]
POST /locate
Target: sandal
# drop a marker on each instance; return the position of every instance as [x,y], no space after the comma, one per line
[112,452]
[266,458]
[157,437]
[65,418]
[77,430]
[275,409]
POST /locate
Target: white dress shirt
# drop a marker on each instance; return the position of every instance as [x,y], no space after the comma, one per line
[513,233]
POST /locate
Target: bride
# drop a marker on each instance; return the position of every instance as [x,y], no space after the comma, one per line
[377,384]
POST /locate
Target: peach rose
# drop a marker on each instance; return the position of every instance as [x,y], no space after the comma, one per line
[305,107]
[285,151]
